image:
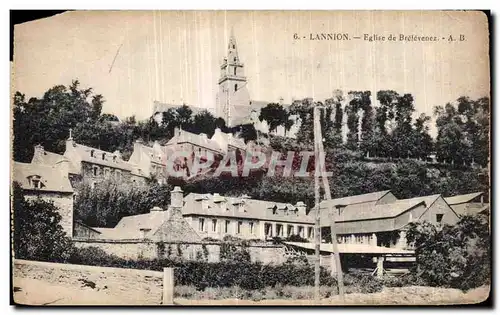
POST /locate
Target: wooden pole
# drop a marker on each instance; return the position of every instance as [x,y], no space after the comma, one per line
[317,227]
[335,256]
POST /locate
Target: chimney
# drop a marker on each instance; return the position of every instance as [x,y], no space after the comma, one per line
[156,209]
[176,198]
[301,207]
[38,154]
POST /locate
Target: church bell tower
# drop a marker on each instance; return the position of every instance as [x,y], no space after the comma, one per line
[233,99]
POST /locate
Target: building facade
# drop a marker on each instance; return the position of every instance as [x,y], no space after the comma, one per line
[50,183]
[215,216]
[380,219]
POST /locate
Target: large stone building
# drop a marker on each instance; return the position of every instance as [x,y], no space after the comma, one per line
[150,161]
[49,182]
[216,216]
[380,219]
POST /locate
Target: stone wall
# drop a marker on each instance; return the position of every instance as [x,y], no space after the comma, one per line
[140,249]
[137,286]
[64,204]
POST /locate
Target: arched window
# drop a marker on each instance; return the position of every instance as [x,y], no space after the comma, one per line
[236,87]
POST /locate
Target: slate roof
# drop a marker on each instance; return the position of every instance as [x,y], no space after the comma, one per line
[221,206]
[130,227]
[370,197]
[182,136]
[52,177]
[462,198]
[159,107]
[372,211]
[84,152]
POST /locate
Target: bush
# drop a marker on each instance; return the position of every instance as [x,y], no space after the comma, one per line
[38,234]
[452,256]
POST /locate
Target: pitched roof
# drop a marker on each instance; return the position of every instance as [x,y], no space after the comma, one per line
[53,178]
[462,198]
[372,211]
[230,139]
[216,205]
[182,136]
[47,158]
[349,200]
[130,227]
[84,152]
[159,107]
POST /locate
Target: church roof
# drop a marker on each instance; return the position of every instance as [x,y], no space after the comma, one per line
[163,107]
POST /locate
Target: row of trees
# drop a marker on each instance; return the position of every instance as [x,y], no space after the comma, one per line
[390,130]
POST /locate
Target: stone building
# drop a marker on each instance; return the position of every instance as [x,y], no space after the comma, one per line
[49,182]
[151,161]
[94,165]
[159,225]
[380,219]
[216,216]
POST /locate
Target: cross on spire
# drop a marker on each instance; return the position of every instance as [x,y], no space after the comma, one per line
[70,134]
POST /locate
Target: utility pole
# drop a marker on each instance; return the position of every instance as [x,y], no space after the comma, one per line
[317,226]
[320,155]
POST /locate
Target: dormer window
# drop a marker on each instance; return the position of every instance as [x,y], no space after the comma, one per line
[35,182]
[275,210]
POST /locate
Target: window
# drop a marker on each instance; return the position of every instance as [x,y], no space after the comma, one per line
[107,171]
[289,230]
[439,217]
[239,227]
[234,46]
[104,156]
[279,230]
[114,158]
[268,229]
[310,232]
[301,231]
[92,153]
[234,59]
[251,226]
[214,225]
[95,170]
[226,226]
[274,210]
[35,182]
[201,224]
[235,74]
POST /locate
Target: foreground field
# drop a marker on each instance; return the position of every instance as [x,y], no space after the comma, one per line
[37,292]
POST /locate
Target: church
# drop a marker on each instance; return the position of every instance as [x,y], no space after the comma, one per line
[233,101]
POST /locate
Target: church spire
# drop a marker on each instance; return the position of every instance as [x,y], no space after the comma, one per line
[232,48]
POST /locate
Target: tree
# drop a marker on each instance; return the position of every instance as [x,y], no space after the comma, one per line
[352,109]
[422,140]
[337,125]
[304,110]
[367,143]
[204,122]
[452,256]
[38,234]
[47,120]
[275,115]
[401,136]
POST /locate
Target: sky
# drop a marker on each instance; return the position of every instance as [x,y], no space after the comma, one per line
[134,58]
